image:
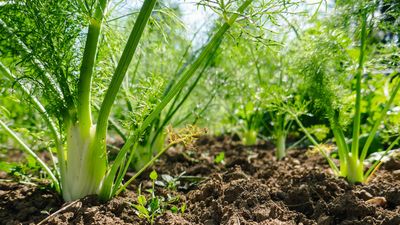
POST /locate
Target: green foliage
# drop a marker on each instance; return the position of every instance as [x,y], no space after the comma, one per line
[157,205]
[55,22]
[86,67]
[328,69]
[169,182]
[319,131]
[323,62]
[22,172]
[219,159]
[153,175]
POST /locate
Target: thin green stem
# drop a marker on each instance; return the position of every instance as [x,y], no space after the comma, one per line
[203,110]
[315,143]
[297,143]
[357,116]
[183,119]
[149,163]
[342,149]
[114,124]
[173,110]
[109,183]
[121,70]
[179,67]
[280,145]
[372,168]
[122,172]
[125,85]
[87,67]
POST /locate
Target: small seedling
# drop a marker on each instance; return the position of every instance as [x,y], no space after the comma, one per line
[156,205]
[148,209]
[219,159]
[169,181]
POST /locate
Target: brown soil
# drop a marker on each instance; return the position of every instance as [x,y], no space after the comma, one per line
[250,187]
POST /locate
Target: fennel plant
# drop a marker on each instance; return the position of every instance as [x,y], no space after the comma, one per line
[83,166]
[323,70]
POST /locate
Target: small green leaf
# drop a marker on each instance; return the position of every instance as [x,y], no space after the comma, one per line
[183,208]
[160,183]
[150,191]
[142,210]
[167,178]
[4,111]
[153,175]
[219,158]
[7,167]
[31,162]
[154,204]
[174,209]
[142,200]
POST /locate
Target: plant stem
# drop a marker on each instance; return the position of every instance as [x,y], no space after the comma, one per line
[122,67]
[315,143]
[297,143]
[87,67]
[280,145]
[355,169]
[116,81]
[375,165]
[117,127]
[343,150]
[149,163]
[357,116]
[249,137]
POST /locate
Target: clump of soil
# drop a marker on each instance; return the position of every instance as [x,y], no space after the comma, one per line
[249,187]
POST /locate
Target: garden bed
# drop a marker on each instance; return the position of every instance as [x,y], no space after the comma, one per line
[248,187]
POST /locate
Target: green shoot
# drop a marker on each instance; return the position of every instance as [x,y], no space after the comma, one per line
[156,205]
[219,159]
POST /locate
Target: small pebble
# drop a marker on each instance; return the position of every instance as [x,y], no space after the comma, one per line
[396,174]
[296,162]
[377,201]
